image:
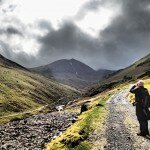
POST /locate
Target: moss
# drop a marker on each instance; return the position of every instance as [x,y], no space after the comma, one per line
[82,146]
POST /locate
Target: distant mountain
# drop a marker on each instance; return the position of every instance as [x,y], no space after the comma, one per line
[22,90]
[105,73]
[71,72]
[138,70]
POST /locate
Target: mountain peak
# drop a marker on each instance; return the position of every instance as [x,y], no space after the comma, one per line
[71,72]
[72,59]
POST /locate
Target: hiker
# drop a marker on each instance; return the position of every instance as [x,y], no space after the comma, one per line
[139,91]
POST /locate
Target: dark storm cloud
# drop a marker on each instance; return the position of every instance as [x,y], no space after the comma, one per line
[91,5]
[10,8]
[11,31]
[127,37]
[94,6]
[68,39]
[1,1]
[44,24]
[125,40]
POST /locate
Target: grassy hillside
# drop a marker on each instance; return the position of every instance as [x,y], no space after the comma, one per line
[136,71]
[22,90]
[139,69]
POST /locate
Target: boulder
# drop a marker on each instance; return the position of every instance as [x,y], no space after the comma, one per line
[84,107]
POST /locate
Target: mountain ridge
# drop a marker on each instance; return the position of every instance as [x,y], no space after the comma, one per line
[71,72]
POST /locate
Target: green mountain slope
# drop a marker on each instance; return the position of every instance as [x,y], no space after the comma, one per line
[137,70]
[21,90]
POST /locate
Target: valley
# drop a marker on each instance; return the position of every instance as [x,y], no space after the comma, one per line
[24,91]
[29,119]
[75,75]
[111,116]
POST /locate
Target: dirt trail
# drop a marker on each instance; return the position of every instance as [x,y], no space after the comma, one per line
[119,130]
[118,137]
[122,126]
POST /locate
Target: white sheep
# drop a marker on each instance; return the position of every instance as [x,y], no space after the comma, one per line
[60,108]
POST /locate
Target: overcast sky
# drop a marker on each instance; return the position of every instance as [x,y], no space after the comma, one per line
[109,34]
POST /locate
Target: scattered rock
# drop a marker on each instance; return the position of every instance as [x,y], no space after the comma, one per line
[34,132]
[84,107]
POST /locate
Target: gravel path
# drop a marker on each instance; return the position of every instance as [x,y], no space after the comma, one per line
[139,143]
[122,125]
[118,137]
[35,132]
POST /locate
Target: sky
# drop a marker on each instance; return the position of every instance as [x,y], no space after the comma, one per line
[104,34]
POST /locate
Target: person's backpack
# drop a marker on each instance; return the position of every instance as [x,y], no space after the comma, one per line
[146,103]
[147,112]
[146,98]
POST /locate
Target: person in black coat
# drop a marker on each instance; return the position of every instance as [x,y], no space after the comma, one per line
[138,90]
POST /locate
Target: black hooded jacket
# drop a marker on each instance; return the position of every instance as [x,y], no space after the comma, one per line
[139,104]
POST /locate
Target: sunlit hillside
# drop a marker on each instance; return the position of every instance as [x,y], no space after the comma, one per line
[22,90]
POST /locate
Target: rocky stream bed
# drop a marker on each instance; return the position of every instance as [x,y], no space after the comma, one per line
[34,132]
